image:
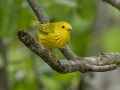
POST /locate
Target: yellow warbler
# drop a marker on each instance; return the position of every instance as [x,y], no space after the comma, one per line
[54,35]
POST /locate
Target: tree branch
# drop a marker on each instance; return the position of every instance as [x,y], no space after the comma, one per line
[115,3]
[101,63]
[38,11]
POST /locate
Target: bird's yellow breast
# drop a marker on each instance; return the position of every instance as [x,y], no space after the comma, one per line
[54,40]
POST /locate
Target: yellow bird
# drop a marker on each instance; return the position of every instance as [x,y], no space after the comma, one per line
[54,35]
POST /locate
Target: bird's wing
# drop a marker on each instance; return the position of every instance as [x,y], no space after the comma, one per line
[46,28]
[42,28]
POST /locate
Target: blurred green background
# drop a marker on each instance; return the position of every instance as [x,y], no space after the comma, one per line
[21,69]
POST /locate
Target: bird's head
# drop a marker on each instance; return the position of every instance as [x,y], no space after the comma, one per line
[65,26]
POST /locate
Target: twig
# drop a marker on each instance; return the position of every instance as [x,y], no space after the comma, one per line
[115,3]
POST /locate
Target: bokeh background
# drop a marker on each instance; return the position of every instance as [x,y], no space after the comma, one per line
[96,29]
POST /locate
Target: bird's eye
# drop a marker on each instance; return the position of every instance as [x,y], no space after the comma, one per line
[63,26]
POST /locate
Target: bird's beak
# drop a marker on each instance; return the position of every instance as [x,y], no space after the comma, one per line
[70,29]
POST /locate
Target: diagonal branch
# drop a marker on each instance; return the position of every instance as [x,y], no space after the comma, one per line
[115,3]
[38,11]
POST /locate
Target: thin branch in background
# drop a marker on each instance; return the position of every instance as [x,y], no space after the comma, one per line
[3,68]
